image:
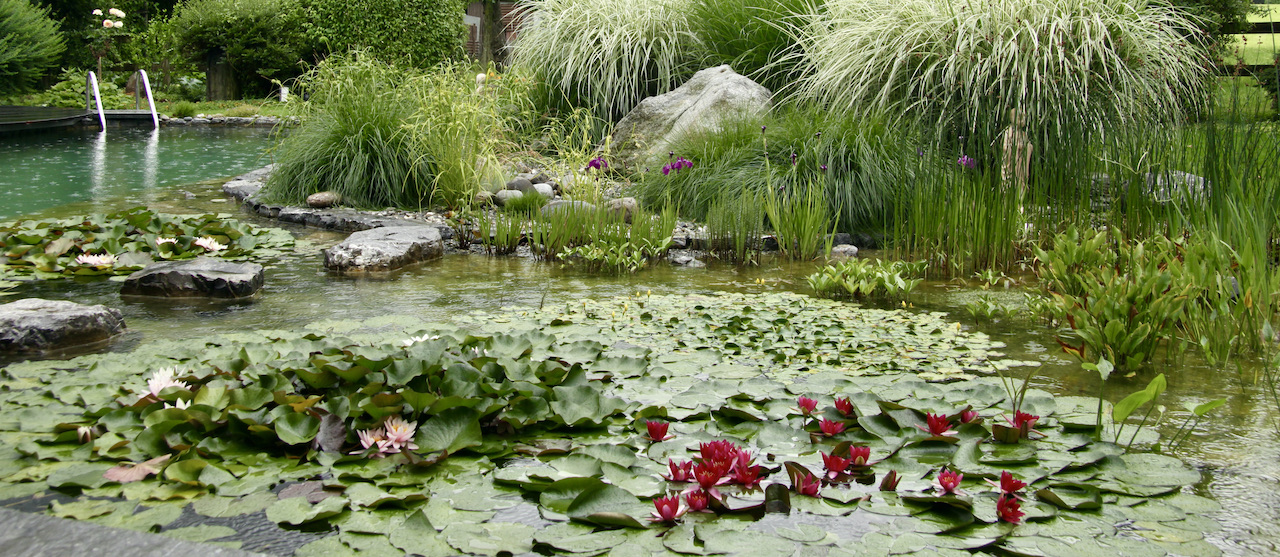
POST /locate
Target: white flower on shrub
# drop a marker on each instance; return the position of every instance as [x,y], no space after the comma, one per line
[117,13]
[97,12]
[107,23]
[119,24]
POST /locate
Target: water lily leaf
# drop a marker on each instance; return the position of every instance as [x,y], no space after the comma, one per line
[89,508]
[200,533]
[297,511]
[559,495]
[1071,498]
[490,539]
[450,431]
[576,538]
[606,505]
[225,507]
[129,472]
[583,405]
[295,428]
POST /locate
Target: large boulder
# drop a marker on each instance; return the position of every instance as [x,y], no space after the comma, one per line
[645,134]
[36,325]
[385,249]
[207,277]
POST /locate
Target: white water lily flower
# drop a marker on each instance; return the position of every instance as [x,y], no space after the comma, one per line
[180,404]
[163,378]
[116,12]
[107,23]
[96,260]
[210,244]
[414,340]
[375,438]
[162,241]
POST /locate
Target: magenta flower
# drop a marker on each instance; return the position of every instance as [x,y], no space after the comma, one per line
[697,500]
[667,509]
[830,428]
[967,162]
[1008,485]
[939,425]
[657,430]
[835,465]
[807,405]
[890,481]
[708,475]
[719,451]
[807,485]
[682,472]
[1009,509]
[859,455]
[1024,421]
[598,163]
[968,416]
[948,482]
[844,405]
[746,476]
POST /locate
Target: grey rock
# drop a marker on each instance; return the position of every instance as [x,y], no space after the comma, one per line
[503,196]
[645,134]
[385,249]
[545,189]
[483,198]
[207,277]
[624,207]
[520,184]
[840,238]
[564,206]
[565,184]
[540,176]
[324,199]
[685,260]
[844,251]
[36,325]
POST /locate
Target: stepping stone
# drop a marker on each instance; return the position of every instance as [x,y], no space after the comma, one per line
[36,325]
[205,277]
[385,249]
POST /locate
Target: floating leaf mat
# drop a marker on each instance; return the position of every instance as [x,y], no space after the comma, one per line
[528,435]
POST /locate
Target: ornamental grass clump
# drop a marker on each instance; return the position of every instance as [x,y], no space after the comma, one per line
[607,55]
[1067,64]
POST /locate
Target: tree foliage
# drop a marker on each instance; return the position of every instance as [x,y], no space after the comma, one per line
[261,39]
[421,33]
[29,44]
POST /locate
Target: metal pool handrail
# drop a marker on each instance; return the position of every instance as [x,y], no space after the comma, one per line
[91,85]
[151,103]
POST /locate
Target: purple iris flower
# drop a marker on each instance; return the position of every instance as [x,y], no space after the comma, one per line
[598,163]
[967,162]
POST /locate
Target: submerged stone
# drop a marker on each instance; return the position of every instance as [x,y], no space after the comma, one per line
[36,325]
[202,277]
[385,249]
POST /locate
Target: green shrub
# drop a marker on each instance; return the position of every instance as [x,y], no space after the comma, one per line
[1068,65]
[418,33]
[261,39]
[29,44]
[69,92]
[183,109]
[1270,82]
[752,36]
[607,55]
[242,111]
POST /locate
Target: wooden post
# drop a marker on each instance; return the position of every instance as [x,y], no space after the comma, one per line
[220,81]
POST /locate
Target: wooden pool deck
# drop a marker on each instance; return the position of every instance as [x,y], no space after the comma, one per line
[25,118]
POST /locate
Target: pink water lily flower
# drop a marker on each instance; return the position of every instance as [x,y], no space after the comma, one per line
[948,482]
[374,439]
[939,425]
[682,472]
[845,407]
[859,455]
[399,434]
[1008,485]
[1009,509]
[835,465]
[657,430]
[830,428]
[710,474]
[697,501]
[807,405]
[807,485]
[667,509]
[719,451]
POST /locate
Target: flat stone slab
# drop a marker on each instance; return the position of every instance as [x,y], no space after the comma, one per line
[205,277]
[385,249]
[36,325]
[33,535]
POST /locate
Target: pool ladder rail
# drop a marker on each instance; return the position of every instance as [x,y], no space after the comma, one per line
[92,94]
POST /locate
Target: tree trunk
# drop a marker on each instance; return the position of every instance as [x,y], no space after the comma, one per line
[220,82]
[491,34]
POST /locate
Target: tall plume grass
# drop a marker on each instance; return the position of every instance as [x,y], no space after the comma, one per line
[962,65]
[604,54]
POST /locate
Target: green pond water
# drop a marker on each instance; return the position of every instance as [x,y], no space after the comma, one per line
[1237,447]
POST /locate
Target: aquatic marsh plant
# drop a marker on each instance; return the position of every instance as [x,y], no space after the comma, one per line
[802,221]
[863,278]
[502,233]
[1125,408]
[735,226]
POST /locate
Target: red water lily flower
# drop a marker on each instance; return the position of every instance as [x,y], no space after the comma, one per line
[859,455]
[835,464]
[682,472]
[807,485]
[845,407]
[746,476]
[709,474]
[719,451]
[667,509]
[939,425]
[697,500]
[830,428]
[1024,421]
[968,416]
[807,405]
[1008,485]
[948,482]
[743,459]
[657,430]
[1009,510]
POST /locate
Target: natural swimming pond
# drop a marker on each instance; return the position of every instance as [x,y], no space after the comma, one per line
[1236,446]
